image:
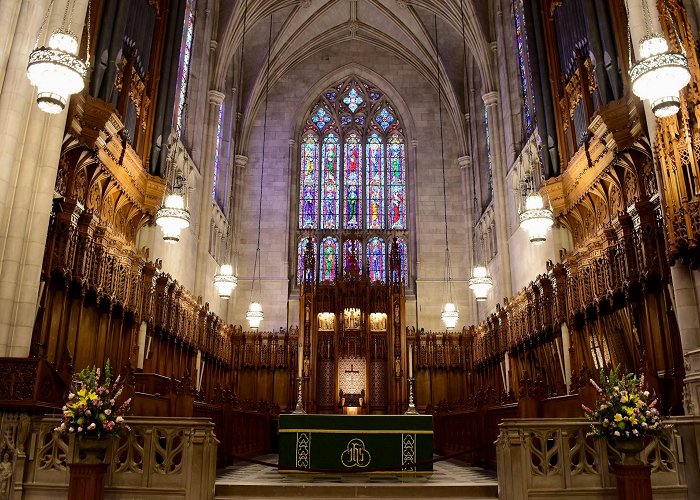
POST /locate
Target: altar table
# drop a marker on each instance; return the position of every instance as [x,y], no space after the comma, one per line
[361,442]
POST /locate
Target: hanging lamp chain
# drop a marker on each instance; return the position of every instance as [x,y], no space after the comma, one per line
[262,168]
[475,201]
[647,18]
[448,274]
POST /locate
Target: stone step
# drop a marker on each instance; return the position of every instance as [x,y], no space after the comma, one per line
[449,480]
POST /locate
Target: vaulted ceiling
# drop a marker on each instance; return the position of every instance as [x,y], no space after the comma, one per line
[404,28]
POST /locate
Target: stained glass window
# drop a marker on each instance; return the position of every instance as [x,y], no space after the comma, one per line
[353,100]
[309,182]
[218,160]
[353,182]
[321,117]
[376,259]
[488,150]
[330,184]
[522,53]
[384,118]
[397,183]
[352,247]
[301,249]
[328,259]
[402,256]
[184,66]
[375,182]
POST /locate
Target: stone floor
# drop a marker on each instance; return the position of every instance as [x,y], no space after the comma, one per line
[450,479]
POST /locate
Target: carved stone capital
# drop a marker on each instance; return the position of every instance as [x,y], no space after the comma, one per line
[216,97]
[490,98]
[465,162]
[241,161]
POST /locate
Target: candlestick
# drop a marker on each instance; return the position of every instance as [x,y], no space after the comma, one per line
[411,406]
[410,360]
[300,403]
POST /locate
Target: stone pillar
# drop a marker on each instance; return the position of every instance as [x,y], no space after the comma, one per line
[499,166]
[240,163]
[465,164]
[28,163]
[216,100]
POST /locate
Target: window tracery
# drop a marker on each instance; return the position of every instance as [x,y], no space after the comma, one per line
[352,183]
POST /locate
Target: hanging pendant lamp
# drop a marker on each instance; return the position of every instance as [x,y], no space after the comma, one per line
[661,74]
[255,311]
[480,283]
[173,217]
[536,219]
[450,313]
[225,281]
[56,70]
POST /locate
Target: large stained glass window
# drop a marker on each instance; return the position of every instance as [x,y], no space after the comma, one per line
[521,40]
[328,259]
[184,66]
[352,182]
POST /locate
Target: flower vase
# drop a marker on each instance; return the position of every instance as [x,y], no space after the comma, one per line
[630,450]
[88,469]
[93,448]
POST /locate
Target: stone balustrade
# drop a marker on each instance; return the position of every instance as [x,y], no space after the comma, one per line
[159,458]
[555,458]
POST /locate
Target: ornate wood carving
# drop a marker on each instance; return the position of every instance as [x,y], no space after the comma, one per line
[677,145]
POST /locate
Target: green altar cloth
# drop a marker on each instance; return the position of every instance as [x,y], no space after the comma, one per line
[344,442]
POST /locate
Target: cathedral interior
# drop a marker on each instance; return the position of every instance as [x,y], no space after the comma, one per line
[462,208]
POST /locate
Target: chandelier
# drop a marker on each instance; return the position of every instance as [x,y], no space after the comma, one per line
[480,283]
[536,219]
[56,70]
[173,216]
[225,281]
[254,315]
[450,313]
[661,74]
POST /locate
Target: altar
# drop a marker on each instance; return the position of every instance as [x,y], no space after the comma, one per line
[362,442]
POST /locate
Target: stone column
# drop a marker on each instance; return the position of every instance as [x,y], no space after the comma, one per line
[240,163]
[216,100]
[465,164]
[28,163]
[499,167]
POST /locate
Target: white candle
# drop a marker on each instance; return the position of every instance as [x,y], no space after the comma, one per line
[300,360]
[410,360]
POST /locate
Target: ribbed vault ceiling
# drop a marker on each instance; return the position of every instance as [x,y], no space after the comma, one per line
[404,28]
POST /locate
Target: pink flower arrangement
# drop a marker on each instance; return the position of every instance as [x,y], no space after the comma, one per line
[91,407]
[626,410]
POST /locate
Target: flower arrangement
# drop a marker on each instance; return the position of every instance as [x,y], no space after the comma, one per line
[626,411]
[91,409]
